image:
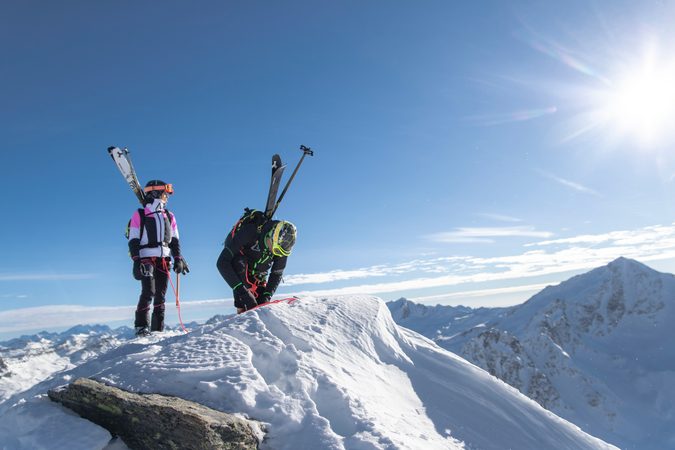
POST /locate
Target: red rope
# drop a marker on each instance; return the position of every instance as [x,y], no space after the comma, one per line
[176,291]
[254,286]
[288,300]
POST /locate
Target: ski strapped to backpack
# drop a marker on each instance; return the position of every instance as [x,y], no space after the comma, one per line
[306,151]
[122,160]
[258,217]
[277,173]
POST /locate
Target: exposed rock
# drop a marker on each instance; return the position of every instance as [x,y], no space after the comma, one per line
[4,370]
[155,421]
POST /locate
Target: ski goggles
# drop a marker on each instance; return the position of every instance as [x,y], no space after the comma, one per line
[168,188]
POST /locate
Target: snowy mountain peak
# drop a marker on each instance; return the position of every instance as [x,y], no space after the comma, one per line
[593,349]
[330,373]
[628,270]
[622,260]
[603,300]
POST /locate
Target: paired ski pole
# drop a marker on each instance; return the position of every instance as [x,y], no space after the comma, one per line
[305,151]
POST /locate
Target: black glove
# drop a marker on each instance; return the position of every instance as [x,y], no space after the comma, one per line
[243,298]
[180,265]
[265,297]
[137,269]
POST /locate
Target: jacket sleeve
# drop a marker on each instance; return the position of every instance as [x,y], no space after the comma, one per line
[135,235]
[174,245]
[233,246]
[276,273]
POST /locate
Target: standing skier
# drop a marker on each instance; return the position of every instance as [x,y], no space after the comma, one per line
[153,238]
[253,249]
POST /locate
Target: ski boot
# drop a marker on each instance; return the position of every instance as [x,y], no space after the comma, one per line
[143,331]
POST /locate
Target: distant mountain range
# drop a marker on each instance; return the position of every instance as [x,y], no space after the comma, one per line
[29,359]
[597,350]
[52,352]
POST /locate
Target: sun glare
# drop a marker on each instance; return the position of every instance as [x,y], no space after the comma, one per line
[641,103]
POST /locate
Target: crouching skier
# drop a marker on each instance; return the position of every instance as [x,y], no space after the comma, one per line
[153,238]
[253,249]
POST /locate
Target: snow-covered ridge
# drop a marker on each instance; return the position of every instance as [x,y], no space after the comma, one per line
[594,350]
[331,373]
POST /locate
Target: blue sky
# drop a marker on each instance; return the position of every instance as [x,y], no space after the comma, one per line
[466,152]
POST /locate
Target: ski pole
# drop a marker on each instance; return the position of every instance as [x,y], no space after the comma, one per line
[176,291]
[305,151]
[180,319]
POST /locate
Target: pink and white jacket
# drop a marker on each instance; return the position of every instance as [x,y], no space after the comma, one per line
[158,223]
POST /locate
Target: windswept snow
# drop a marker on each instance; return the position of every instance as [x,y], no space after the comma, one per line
[330,373]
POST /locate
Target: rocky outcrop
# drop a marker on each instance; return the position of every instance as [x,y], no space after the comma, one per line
[155,421]
[4,370]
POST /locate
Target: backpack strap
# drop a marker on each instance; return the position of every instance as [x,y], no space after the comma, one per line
[168,231]
[141,213]
[248,216]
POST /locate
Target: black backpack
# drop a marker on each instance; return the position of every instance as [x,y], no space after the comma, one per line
[250,216]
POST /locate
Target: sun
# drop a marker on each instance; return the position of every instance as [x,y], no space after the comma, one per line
[641,102]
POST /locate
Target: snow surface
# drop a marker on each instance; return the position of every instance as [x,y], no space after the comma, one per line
[329,373]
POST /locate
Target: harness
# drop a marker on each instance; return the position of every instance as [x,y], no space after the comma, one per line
[257,279]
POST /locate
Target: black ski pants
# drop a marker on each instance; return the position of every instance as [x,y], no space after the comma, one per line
[153,290]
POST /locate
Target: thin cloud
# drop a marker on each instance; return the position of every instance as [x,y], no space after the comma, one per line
[511,117]
[56,316]
[641,236]
[482,292]
[450,238]
[434,265]
[485,234]
[46,276]
[335,275]
[500,217]
[570,184]
[547,258]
